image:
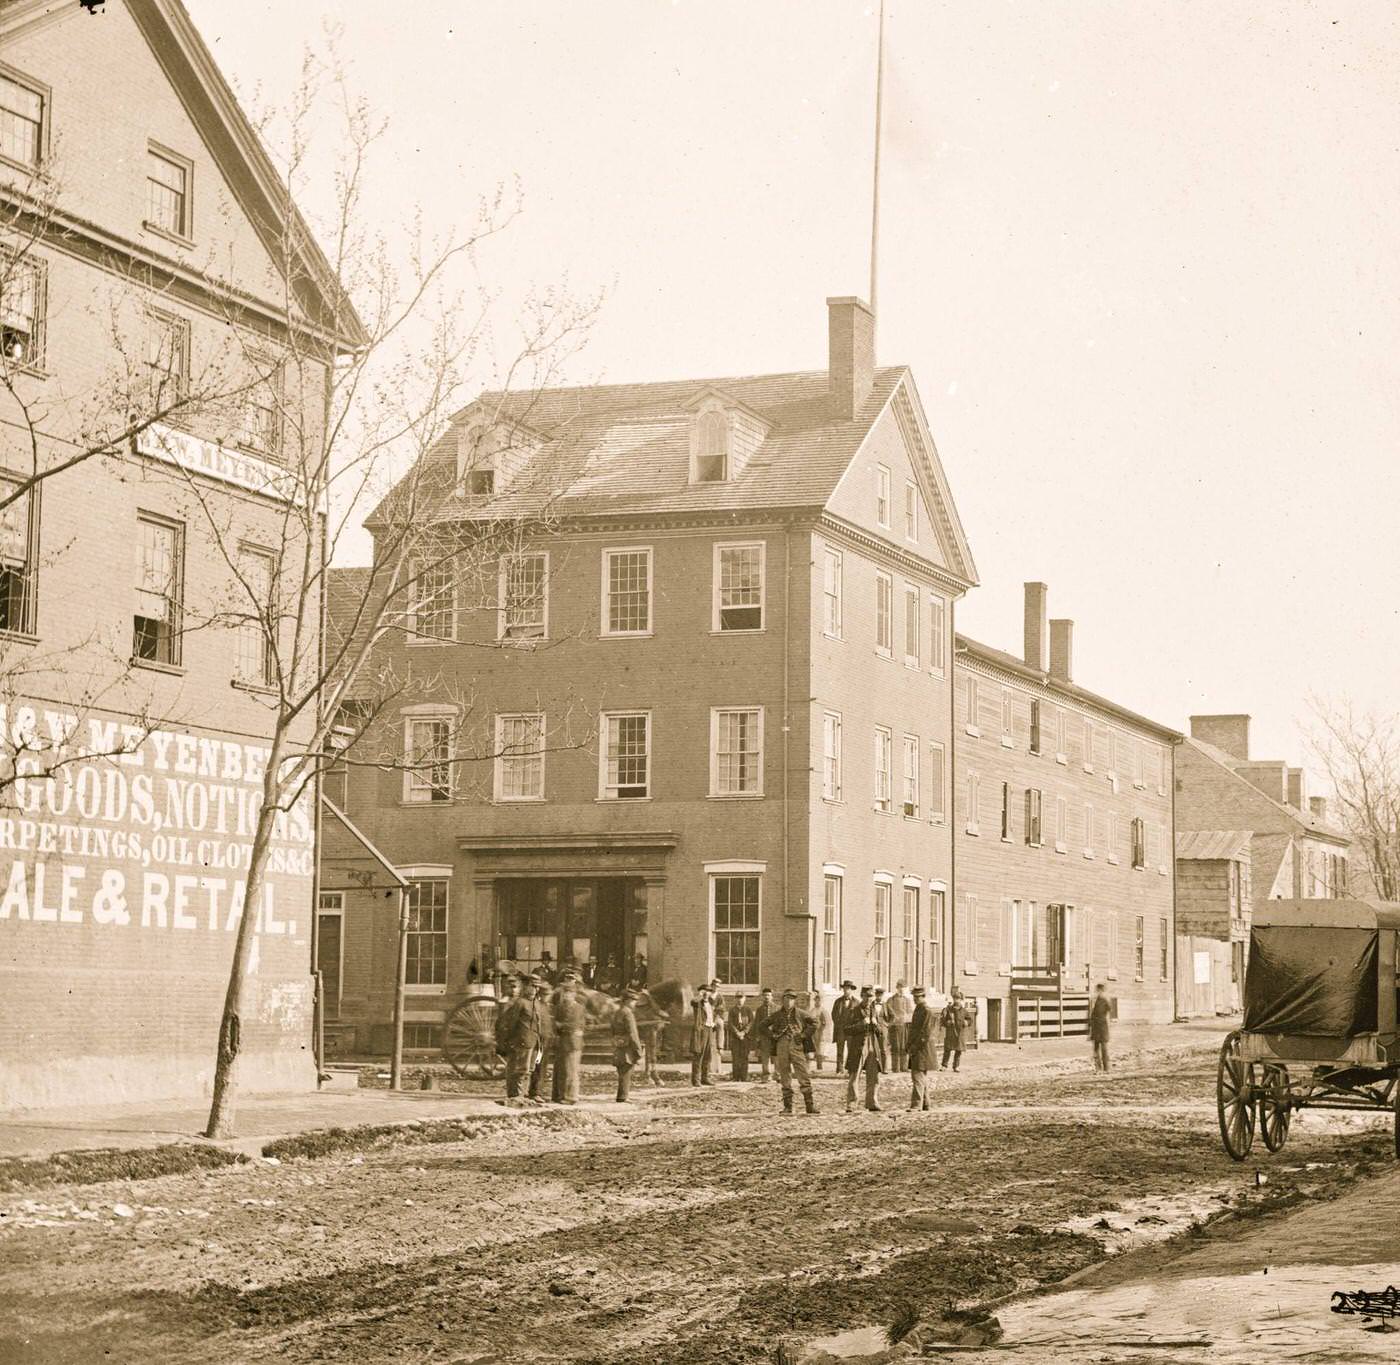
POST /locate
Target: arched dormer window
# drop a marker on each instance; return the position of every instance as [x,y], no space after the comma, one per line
[710,463]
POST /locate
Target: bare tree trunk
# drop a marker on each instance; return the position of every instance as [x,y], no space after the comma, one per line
[221,1109]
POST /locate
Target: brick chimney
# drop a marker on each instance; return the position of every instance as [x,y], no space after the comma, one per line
[1062,650]
[1037,632]
[1295,789]
[1230,733]
[851,349]
[1318,806]
[1267,775]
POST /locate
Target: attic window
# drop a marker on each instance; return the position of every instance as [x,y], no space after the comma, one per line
[710,463]
[479,483]
[478,460]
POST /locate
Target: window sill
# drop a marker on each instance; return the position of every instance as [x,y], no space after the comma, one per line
[1036,753]
[732,796]
[1089,853]
[408,803]
[1112,976]
[973,731]
[1007,742]
[1007,839]
[833,800]
[1139,786]
[425,990]
[879,811]
[621,800]
[155,666]
[970,967]
[1161,871]
[517,800]
[1059,847]
[1112,860]
[19,637]
[1062,759]
[916,818]
[748,630]
[827,635]
[33,368]
[913,665]
[422,642]
[179,239]
[257,689]
[886,654]
[626,634]
[974,830]
[938,820]
[1088,767]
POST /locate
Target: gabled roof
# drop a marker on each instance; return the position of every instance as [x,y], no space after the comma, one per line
[1305,821]
[1012,663]
[624,449]
[1266,854]
[1212,845]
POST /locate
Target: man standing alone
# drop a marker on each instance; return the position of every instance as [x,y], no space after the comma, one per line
[920,1051]
[791,1031]
[1099,1013]
[627,1045]
[954,1023]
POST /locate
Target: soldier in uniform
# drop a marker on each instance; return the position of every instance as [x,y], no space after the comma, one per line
[954,1022]
[510,997]
[763,1011]
[627,1045]
[791,1031]
[921,1051]
[525,1033]
[569,1020]
[740,1027]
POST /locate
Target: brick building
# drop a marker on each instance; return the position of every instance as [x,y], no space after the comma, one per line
[1064,863]
[723,714]
[141,256]
[1283,846]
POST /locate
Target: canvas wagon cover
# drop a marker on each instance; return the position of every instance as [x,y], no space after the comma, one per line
[1309,980]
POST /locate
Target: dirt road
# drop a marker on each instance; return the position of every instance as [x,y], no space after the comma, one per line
[700,1228]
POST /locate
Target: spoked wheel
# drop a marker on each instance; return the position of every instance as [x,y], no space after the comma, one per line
[1397,1116]
[469,1040]
[1234,1099]
[1275,1107]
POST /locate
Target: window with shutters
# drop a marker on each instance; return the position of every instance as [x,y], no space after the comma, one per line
[1139,948]
[1061,733]
[257,632]
[1164,949]
[18,509]
[831,592]
[260,409]
[736,751]
[22,305]
[1034,800]
[627,592]
[1088,831]
[911,511]
[1139,764]
[738,579]
[911,627]
[159,590]
[968,938]
[937,781]
[831,756]
[626,757]
[911,776]
[1139,829]
[1088,745]
[1006,812]
[23,120]
[882,495]
[1035,725]
[168,177]
[1111,838]
[973,700]
[1008,716]
[884,614]
[1061,824]
[524,597]
[937,635]
[974,792]
[882,769]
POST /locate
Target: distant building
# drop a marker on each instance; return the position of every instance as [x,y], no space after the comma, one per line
[719,692]
[1064,848]
[1247,832]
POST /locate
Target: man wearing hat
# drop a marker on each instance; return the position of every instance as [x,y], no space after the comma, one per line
[866,1050]
[627,1045]
[703,1025]
[899,1010]
[955,1021]
[740,1023]
[791,1031]
[845,1010]
[569,1020]
[921,1051]
[763,1012]
[524,1030]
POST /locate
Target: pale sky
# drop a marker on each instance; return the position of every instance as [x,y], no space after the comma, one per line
[1142,258]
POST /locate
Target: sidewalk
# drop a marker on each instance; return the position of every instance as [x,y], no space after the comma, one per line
[261,1118]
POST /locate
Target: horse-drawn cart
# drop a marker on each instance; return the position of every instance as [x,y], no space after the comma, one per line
[1320,1020]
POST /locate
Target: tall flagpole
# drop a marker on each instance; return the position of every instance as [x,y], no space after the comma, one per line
[875,180]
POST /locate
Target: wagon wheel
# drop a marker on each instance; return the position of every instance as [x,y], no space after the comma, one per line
[1397,1115]
[1275,1107]
[469,1039]
[1234,1099]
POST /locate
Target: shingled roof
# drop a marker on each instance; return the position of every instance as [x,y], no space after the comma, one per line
[1305,820]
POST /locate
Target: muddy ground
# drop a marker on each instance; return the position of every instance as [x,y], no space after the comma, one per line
[702,1227]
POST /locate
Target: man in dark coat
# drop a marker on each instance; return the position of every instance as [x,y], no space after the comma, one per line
[1100,1011]
[704,1029]
[954,1021]
[921,1051]
[845,1010]
[740,1029]
[569,1020]
[764,1011]
[867,1052]
[899,1009]
[525,1032]
[791,1031]
[627,1044]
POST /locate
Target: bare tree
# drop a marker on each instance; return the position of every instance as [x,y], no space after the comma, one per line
[1360,753]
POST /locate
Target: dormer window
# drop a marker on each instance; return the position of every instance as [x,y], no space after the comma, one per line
[478,451]
[711,445]
[479,483]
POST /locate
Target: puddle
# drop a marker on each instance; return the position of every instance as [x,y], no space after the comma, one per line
[1152,1218]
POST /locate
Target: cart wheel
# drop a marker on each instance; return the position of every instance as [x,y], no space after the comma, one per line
[1275,1107]
[1397,1117]
[1234,1099]
[469,1040]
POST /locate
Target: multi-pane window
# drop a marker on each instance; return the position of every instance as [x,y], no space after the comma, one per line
[21,310]
[167,194]
[937,807]
[520,758]
[626,592]
[1006,810]
[16,556]
[911,775]
[21,122]
[427,932]
[974,701]
[909,940]
[1034,803]
[627,756]
[882,768]
[1139,948]
[159,584]
[974,795]
[1164,949]
[257,656]
[832,891]
[736,749]
[911,510]
[428,748]
[1035,725]
[524,596]
[882,495]
[735,906]
[911,627]
[1139,829]
[884,613]
[884,898]
[831,592]
[933,968]
[167,358]
[831,756]
[738,587]
[260,424]
[937,634]
[432,601]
